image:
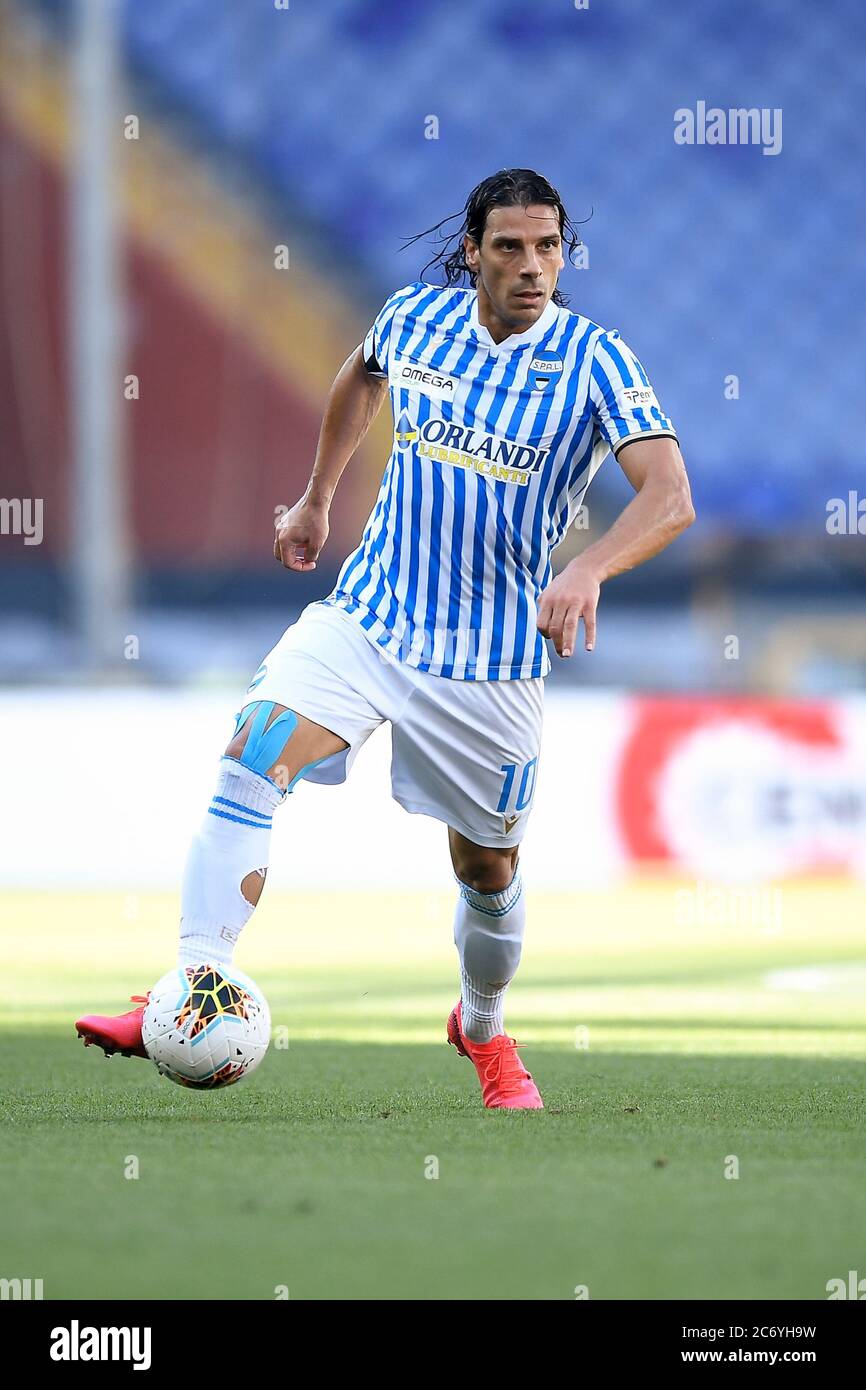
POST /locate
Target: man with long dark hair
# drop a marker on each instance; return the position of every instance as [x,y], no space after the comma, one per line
[505,404]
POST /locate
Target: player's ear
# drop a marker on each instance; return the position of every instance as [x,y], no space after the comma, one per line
[470,252]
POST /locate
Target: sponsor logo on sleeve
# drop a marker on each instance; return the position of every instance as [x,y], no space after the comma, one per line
[638,398]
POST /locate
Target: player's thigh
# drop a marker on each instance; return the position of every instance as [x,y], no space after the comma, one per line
[467,752]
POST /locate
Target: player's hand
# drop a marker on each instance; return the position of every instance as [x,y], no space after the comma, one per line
[572,595]
[300,534]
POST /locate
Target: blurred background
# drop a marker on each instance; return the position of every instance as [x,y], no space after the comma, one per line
[156,156]
[203,207]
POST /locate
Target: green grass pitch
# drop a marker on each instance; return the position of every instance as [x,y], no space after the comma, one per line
[663,1051]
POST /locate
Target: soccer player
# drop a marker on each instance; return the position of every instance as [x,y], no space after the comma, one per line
[505,403]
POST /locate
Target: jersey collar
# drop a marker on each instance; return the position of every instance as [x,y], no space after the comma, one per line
[529,335]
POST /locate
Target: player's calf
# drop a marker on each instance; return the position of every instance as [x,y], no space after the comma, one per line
[488,930]
[271,749]
[488,933]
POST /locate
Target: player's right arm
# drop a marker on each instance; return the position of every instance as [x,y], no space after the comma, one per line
[353,404]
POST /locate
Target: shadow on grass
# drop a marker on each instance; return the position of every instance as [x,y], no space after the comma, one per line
[332,1082]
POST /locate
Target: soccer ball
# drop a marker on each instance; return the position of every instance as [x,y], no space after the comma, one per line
[205,1026]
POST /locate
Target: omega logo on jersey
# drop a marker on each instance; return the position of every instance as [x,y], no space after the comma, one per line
[411,376]
[544,368]
[463,447]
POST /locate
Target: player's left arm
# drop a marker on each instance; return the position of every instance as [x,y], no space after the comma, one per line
[657,514]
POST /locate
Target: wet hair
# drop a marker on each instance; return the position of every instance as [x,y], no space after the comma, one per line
[509,188]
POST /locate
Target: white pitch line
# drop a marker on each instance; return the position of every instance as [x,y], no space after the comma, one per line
[840,977]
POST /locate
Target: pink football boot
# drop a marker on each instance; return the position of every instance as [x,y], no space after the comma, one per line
[505,1082]
[117,1033]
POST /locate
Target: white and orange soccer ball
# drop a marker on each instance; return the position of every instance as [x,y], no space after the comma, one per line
[206,1026]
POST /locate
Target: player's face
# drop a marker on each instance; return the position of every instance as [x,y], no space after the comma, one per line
[517,264]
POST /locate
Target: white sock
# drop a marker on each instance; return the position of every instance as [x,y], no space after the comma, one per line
[234,840]
[488,933]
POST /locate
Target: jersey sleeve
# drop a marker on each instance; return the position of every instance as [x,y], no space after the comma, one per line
[375,347]
[623,400]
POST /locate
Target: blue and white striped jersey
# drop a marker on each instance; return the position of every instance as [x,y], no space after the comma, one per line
[494,447]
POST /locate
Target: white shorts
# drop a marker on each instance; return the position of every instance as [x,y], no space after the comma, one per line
[465,752]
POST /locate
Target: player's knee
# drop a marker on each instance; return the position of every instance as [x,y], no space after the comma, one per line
[262,731]
[486,870]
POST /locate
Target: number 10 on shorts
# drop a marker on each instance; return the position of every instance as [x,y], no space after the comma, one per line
[525,787]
